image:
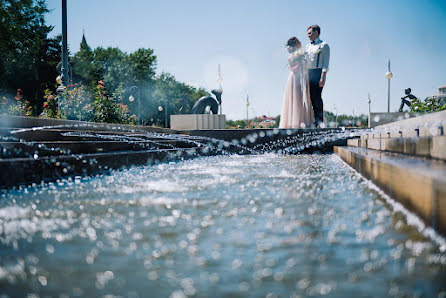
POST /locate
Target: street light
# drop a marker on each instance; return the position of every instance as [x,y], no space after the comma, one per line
[336,113]
[389,75]
[220,89]
[131,99]
[247,106]
[64,71]
[370,115]
[160,108]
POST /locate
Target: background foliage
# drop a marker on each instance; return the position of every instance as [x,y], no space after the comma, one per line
[28,56]
[29,60]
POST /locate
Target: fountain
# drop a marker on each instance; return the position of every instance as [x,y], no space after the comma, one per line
[234,225]
[107,210]
[121,209]
[76,148]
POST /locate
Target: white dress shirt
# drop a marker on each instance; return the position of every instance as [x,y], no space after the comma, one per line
[318,55]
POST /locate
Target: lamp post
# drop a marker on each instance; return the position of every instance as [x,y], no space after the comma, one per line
[247,106]
[220,89]
[336,113]
[64,70]
[160,108]
[254,117]
[389,75]
[131,98]
[370,115]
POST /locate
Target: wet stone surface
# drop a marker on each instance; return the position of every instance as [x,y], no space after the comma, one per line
[265,225]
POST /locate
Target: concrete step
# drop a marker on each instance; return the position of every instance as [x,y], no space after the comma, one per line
[32,170]
[22,149]
[29,122]
[406,133]
[428,146]
[54,135]
[418,183]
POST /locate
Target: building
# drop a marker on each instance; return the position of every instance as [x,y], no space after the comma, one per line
[441,95]
[265,121]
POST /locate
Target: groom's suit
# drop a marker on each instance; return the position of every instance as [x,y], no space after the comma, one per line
[319,57]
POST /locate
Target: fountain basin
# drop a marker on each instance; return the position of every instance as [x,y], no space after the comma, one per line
[239,225]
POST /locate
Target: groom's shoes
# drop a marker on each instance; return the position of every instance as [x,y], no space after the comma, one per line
[319,124]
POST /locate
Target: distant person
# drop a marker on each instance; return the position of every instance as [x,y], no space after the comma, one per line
[297,111]
[319,56]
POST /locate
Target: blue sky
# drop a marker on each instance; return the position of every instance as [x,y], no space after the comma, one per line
[247,38]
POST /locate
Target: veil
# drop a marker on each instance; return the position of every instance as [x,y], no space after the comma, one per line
[304,81]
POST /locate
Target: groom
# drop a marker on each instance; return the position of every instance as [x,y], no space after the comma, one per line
[319,56]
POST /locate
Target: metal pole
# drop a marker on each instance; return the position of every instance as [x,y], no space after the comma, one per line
[388,96]
[64,44]
[139,109]
[64,69]
[247,106]
[370,115]
[138,95]
[336,119]
[389,76]
[165,108]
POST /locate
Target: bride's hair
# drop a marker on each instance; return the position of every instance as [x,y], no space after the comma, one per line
[293,41]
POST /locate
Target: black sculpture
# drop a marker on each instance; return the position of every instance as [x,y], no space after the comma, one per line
[207,101]
[405,101]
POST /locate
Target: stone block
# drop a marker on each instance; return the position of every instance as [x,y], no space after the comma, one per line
[364,137]
[374,144]
[378,119]
[393,145]
[439,210]
[363,143]
[397,134]
[410,133]
[430,131]
[422,146]
[197,121]
[438,147]
[353,142]
[419,184]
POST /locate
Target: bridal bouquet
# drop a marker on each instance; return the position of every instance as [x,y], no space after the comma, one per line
[296,56]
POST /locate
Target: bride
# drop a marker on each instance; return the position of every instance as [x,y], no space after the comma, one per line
[297,111]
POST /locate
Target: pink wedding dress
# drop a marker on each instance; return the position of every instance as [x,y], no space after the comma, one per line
[297,111]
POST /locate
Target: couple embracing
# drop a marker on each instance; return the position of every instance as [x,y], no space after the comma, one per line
[302,102]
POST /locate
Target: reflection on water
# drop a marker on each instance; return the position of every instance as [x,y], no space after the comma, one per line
[264,225]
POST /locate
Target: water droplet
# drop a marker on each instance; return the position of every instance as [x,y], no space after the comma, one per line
[43,280]
[49,248]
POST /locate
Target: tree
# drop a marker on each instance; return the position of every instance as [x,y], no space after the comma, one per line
[178,97]
[143,66]
[29,57]
[82,64]
[119,71]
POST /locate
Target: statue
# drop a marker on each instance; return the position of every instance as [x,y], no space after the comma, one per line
[208,101]
[405,101]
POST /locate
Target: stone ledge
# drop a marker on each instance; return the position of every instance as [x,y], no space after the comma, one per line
[197,121]
[428,146]
[433,120]
[419,184]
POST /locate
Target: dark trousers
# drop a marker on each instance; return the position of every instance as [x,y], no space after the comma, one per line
[316,94]
[403,102]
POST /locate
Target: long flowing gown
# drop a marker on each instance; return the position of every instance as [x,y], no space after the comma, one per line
[297,111]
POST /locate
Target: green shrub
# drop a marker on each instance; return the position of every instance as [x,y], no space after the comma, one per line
[50,107]
[74,104]
[16,106]
[429,105]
